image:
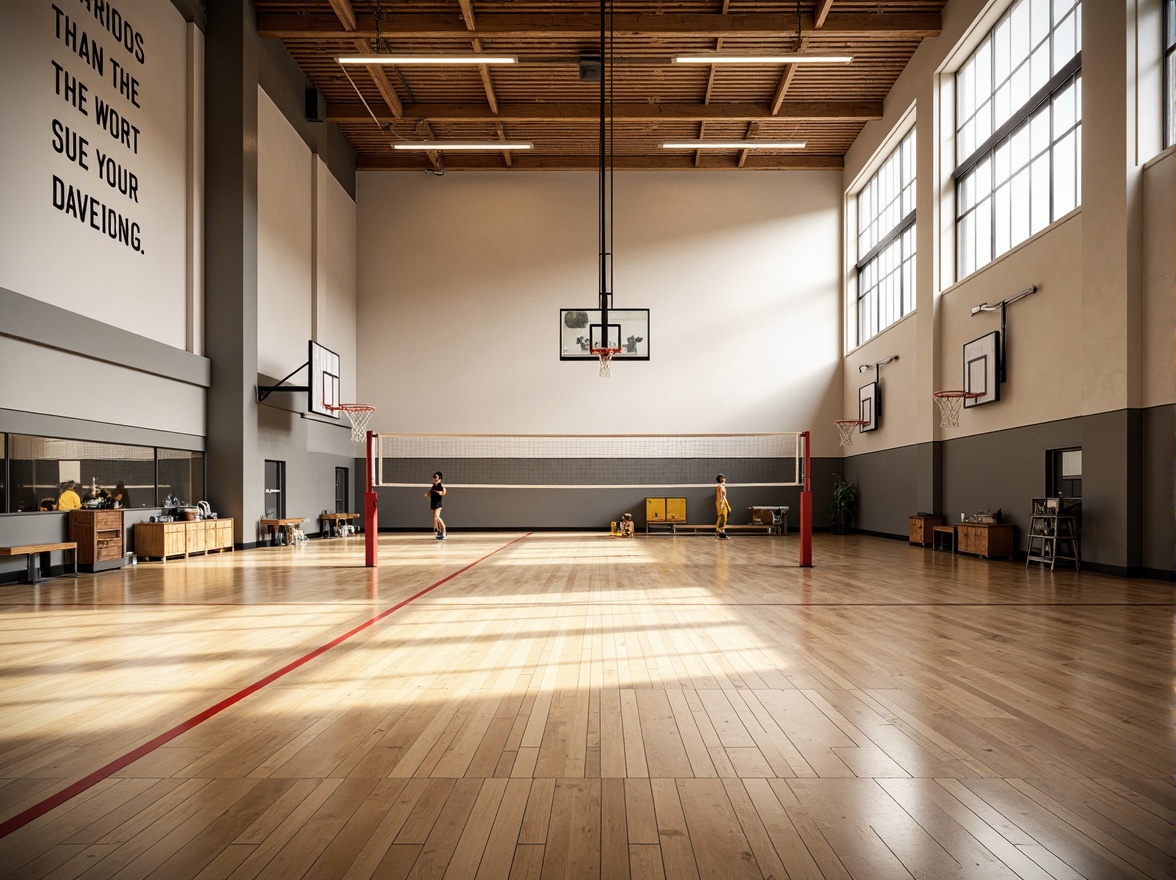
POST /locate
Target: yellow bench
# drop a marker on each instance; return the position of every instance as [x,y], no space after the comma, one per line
[34,553]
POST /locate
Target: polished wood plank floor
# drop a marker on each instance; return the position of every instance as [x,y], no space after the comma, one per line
[580,706]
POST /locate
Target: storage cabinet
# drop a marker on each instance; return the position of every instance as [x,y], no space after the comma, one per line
[985,539]
[99,536]
[921,527]
[160,540]
[664,512]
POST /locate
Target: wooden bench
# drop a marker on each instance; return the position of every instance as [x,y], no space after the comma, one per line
[34,553]
[332,521]
[766,528]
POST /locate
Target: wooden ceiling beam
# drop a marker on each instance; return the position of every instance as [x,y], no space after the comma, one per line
[851,111]
[346,16]
[544,28]
[821,12]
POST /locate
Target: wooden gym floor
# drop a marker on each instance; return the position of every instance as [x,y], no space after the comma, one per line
[559,705]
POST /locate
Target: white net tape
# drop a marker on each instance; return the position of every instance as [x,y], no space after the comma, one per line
[574,461]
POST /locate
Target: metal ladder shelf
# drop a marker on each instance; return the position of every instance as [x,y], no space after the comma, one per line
[1053,532]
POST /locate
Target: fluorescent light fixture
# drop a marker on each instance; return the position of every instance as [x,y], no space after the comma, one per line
[404,60]
[763,59]
[440,146]
[734,145]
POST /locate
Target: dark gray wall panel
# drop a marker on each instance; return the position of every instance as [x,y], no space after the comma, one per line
[1128,482]
[888,489]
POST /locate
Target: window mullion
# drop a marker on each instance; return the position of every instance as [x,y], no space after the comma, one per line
[1045,93]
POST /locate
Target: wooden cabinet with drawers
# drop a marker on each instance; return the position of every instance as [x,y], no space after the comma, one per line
[99,536]
[921,526]
[985,539]
[159,540]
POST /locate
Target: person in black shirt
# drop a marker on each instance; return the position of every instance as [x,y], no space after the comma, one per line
[435,494]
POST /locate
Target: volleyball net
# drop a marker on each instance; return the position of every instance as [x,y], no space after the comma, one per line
[589,461]
[649,462]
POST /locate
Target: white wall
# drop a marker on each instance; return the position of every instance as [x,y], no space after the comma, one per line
[47,252]
[461,279]
[284,222]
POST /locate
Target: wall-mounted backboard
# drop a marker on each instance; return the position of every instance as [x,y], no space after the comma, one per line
[580,330]
[324,380]
[868,407]
[982,369]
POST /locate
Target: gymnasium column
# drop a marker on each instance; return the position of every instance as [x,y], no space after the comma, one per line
[1109,360]
[234,468]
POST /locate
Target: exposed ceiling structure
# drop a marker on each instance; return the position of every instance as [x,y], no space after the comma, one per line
[544,98]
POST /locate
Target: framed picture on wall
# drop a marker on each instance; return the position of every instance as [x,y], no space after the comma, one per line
[580,330]
[868,403]
[982,369]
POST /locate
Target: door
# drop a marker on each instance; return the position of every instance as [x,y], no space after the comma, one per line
[275,490]
[342,487]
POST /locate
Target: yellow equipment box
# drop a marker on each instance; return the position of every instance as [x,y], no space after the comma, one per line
[665,510]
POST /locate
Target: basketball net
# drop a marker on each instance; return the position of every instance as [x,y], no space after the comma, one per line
[359,414]
[846,428]
[606,356]
[950,403]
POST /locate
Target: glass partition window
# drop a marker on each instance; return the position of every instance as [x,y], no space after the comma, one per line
[181,477]
[1018,138]
[40,469]
[886,243]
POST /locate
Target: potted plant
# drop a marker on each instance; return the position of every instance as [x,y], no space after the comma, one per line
[841,513]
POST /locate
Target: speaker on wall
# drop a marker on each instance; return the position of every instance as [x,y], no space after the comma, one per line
[316,105]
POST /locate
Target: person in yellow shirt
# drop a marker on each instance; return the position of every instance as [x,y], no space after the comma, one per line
[722,507]
[68,499]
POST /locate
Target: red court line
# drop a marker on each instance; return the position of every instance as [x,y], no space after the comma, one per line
[71,791]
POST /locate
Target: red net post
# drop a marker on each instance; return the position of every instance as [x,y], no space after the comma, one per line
[370,513]
[806,510]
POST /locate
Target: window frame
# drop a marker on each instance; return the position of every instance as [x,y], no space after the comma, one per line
[984,209]
[1168,62]
[900,235]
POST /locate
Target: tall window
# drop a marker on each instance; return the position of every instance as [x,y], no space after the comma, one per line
[1018,130]
[886,243]
[1169,72]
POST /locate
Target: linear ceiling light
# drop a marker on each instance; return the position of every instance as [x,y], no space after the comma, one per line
[734,145]
[439,146]
[763,59]
[404,60]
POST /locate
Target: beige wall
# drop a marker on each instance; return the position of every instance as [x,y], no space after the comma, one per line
[1097,335]
[461,279]
[306,228]
[284,223]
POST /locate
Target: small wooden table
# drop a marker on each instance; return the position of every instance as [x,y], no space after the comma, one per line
[943,538]
[332,521]
[279,529]
[34,553]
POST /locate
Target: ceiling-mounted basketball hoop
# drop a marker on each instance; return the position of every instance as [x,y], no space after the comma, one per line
[359,414]
[845,427]
[949,406]
[606,356]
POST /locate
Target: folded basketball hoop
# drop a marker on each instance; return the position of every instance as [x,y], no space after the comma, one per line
[359,414]
[606,356]
[846,428]
[949,406]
